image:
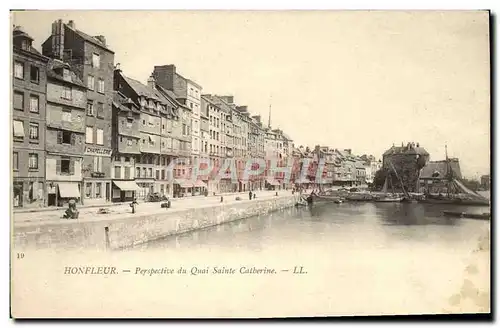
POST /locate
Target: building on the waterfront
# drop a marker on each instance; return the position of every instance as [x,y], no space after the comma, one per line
[125,143]
[371,167]
[226,139]
[93,62]
[65,135]
[28,100]
[435,175]
[486,182]
[406,161]
[215,137]
[188,93]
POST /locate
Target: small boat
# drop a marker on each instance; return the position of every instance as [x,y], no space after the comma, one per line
[389,199]
[465,215]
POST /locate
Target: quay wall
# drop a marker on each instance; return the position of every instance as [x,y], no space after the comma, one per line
[133,229]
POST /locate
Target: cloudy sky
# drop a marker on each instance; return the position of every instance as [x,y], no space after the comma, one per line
[359,80]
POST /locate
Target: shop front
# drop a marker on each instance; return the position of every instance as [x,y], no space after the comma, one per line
[124,190]
[183,188]
[60,193]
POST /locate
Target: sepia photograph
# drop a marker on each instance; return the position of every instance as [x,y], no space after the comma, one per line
[250,164]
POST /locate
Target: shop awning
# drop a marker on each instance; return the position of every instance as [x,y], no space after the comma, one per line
[200,183]
[18,129]
[127,185]
[183,183]
[273,182]
[68,190]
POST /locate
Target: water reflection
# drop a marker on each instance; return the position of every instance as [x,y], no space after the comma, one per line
[369,223]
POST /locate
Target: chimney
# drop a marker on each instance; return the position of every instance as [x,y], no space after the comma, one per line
[151,82]
[71,24]
[117,67]
[164,76]
[101,38]
[348,151]
[57,39]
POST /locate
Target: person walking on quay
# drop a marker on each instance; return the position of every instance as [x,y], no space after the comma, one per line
[250,195]
[133,205]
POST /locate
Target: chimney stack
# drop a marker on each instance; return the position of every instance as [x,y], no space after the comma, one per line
[101,38]
[117,67]
[151,82]
[71,24]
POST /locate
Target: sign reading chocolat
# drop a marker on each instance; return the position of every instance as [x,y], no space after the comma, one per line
[96,151]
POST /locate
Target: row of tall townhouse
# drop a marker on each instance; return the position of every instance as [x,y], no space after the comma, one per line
[84,130]
[335,167]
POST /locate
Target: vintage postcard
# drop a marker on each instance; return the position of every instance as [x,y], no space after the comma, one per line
[249,164]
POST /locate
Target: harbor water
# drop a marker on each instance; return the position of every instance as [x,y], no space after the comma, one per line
[361,258]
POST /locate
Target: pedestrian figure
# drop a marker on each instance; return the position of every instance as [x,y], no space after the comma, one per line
[221,199]
[133,204]
[254,195]
[250,195]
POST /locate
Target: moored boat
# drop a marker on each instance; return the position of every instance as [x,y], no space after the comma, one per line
[465,215]
[389,199]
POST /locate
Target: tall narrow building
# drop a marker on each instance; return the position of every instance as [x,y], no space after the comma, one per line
[93,63]
[29,83]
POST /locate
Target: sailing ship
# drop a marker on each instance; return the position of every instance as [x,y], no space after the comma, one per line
[390,197]
[456,192]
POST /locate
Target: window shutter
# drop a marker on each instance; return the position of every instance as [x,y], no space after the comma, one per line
[73,138]
[71,166]
[59,138]
[58,166]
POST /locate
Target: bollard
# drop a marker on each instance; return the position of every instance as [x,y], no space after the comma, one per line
[106,234]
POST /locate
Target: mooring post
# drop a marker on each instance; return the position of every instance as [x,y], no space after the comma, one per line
[106,234]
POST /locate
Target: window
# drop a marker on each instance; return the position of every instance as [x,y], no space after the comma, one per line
[65,137]
[89,135]
[15,161]
[90,108]
[118,172]
[18,128]
[88,189]
[100,110]
[34,74]
[100,86]
[100,137]
[191,105]
[96,60]
[163,174]
[33,161]
[157,174]
[34,100]
[18,100]
[143,122]
[65,165]
[97,164]
[150,172]
[127,172]
[19,70]
[66,74]
[137,172]
[90,82]
[98,190]
[144,173]
[34,131]
[66,92]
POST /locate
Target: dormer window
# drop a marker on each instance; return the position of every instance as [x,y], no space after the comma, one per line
[26,45]
[66,75]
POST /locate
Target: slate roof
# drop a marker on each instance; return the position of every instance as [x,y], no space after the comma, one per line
[90,39]
[55,64]
[141,89]
[439,169]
